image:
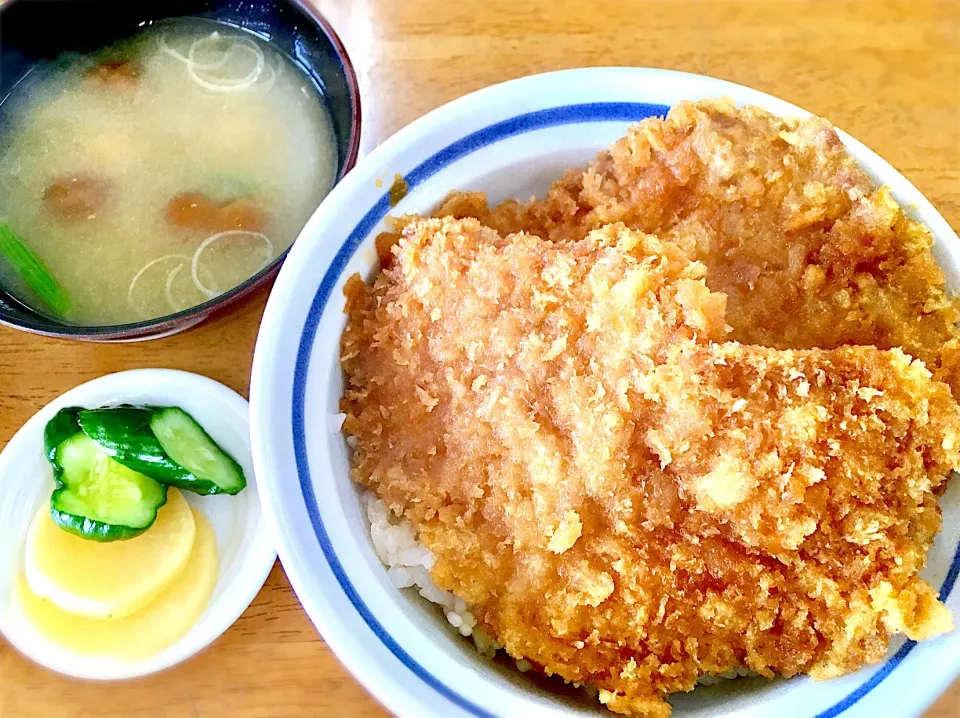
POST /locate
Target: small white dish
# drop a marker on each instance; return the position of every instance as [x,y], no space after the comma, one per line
[511,140]
[244,544]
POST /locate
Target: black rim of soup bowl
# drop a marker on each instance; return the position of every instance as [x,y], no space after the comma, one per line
[31,32]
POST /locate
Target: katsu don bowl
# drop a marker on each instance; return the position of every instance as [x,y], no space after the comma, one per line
[135,133]
[529,576]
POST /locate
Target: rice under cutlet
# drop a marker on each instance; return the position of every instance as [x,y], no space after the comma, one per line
[621,497]
[808,251]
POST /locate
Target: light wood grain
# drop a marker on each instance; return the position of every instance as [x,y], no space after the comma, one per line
[887,71]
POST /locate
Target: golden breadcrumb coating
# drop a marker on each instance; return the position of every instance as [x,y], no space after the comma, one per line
[622,497]
[809,253]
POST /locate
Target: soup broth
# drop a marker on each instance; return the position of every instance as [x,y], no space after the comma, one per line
[160,173]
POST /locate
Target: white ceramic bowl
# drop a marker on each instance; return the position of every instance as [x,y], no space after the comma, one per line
[244,545]
[511,140]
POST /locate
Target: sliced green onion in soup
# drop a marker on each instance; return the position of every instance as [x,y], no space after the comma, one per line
[26,264]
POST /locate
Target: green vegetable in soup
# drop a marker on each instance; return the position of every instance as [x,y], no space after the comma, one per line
[31,270]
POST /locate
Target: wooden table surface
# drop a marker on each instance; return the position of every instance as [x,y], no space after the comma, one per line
[887,71]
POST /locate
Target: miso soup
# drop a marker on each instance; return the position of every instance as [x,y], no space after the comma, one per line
[157,174]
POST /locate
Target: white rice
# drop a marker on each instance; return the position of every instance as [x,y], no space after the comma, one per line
[408,563]
[711,680]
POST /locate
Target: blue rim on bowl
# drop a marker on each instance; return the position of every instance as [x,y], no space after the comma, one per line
[31,32]
[296,385]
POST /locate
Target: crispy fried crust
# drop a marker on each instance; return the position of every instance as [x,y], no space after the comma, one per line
[622,497]
[809,253]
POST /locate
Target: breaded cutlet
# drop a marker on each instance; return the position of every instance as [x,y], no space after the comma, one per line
[621,496]
[808,251]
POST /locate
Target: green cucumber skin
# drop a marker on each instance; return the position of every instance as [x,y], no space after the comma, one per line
[60,428]
[63,426]
[237,469]
[124,433]
[92,529]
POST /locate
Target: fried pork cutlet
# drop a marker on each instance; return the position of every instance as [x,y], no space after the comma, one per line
[620,496]
[809,253]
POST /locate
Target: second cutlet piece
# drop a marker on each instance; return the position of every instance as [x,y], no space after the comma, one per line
[622,497]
